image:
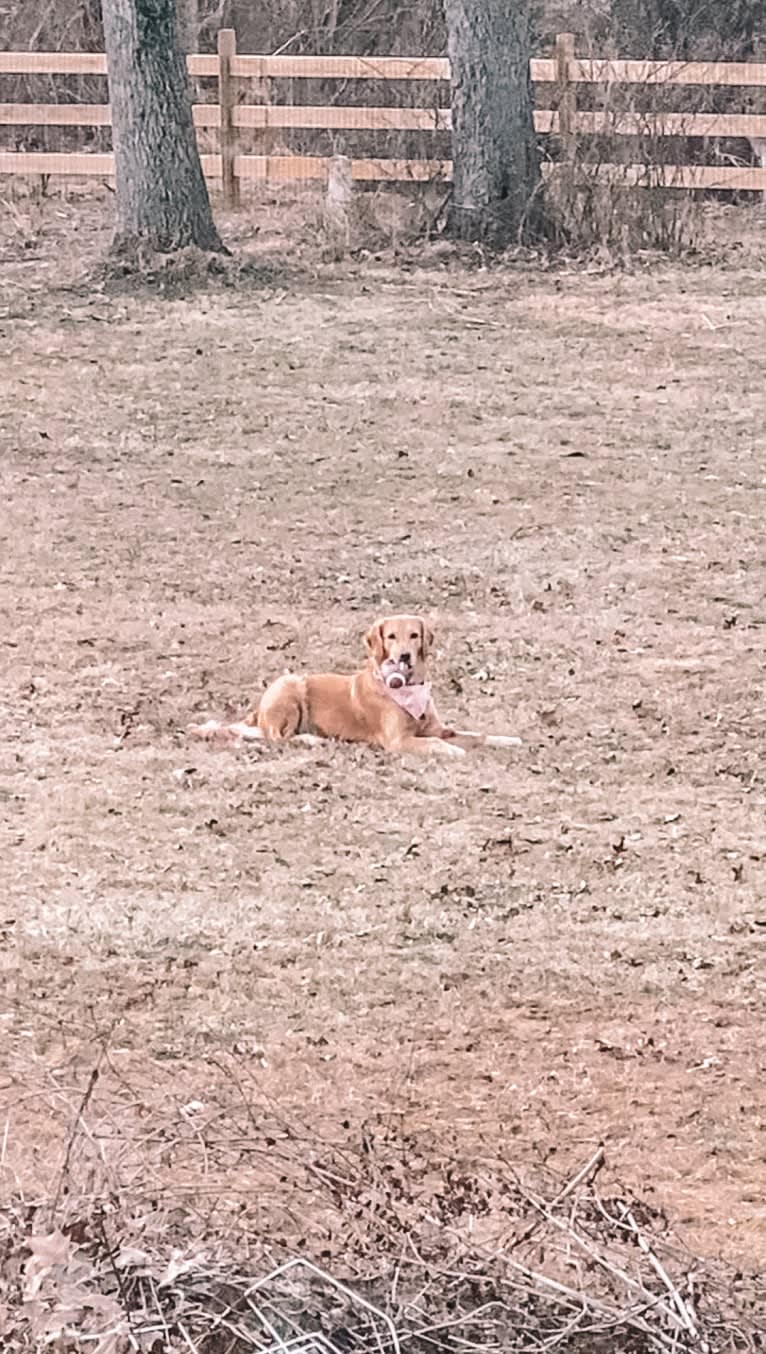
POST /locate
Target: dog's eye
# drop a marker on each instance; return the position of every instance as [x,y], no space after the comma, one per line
[390,636]
[415,636]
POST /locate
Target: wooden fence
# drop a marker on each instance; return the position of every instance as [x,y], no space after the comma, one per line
[564,74]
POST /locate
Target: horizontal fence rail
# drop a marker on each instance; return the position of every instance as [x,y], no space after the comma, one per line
[230,117]
[325,117]
[668,72]
[283,168]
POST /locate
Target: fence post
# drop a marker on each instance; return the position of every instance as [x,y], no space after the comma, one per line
[567,101]
[227,48]
[340,189]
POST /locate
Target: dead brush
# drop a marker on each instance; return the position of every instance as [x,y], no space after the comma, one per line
[389,219]
[273,1239]
[608,196]
[382,221]
[617,219]
[24,224]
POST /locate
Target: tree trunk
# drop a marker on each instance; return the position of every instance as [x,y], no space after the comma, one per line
[162,198]
[496,164]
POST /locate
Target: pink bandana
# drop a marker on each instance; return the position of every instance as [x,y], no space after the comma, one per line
[415,700]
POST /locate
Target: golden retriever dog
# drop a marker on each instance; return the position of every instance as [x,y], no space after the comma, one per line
[387,704]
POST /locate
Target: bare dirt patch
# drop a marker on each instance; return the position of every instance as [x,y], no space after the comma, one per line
[532,952]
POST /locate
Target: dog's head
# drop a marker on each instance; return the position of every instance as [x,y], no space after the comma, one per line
[400,643]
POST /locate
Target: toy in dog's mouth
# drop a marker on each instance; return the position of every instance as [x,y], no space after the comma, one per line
[395,674]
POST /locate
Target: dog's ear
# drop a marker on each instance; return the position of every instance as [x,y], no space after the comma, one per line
[426,639]
[374,642]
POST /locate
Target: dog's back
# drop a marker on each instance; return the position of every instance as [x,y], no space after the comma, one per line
[324,703]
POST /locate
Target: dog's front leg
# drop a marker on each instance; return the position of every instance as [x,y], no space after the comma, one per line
[426,746]
[432,726]
[466,739]
[463,738]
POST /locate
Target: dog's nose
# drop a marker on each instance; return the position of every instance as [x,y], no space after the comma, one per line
[404,658]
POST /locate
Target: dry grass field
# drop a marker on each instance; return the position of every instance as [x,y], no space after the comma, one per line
[524,954]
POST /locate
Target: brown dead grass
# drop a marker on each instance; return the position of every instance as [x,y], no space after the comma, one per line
[539,951]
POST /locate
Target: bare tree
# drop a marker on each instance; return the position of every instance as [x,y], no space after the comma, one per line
[162,197]
[496,165]
[188,24]
[688,30]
